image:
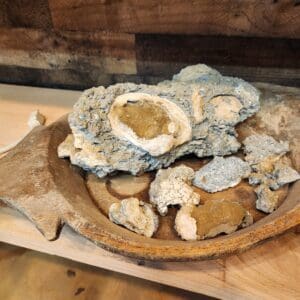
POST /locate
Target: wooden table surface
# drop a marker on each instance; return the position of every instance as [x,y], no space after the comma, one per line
[269,271]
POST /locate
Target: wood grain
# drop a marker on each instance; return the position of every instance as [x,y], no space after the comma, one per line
[269,271]
[80,60]
[263,59]
[110,53]
[243,18]
[25,13]
[152,49]
[235,277]
[66,279]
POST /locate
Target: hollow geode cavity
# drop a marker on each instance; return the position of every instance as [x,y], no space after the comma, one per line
[138,128]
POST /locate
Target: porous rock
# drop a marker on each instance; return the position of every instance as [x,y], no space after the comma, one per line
[270,169]
[259,147]
[135,215]
[172,186]
[284,174]
[138,128]
[221,173]
[267,200]
[212,218]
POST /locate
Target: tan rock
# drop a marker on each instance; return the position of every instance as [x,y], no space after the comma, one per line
[211,219]
[267,200]
[227,108]
[172,186]
[135,215]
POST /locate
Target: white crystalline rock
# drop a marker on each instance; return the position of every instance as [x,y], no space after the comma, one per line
[198,110]
[221,173]
[172,186]
[135,215]
[259,147]
[185,224]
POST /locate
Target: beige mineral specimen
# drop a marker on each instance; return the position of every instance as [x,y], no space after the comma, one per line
[152,123]
[135,215]
[259,147]
[267,200]
[185,224]
[172,186]
[198,107]
[138,128]
[87,156]
[212,218]
[274,172]
[226,109]
[270,169]
[221,173]
[283,174]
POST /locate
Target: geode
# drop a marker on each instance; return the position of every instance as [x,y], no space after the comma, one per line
[138,128]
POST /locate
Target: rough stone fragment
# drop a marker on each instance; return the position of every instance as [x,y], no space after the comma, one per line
[221,173]
[211,219]
[155,124]
[270,169]
[259,147]
[226,109]
[198,107]
[284,174]
[171,187]
[185,224]
[267,160]
[267,200]
[135,215]
[274,173]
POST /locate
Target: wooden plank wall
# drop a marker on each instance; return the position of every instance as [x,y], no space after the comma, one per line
[82,43]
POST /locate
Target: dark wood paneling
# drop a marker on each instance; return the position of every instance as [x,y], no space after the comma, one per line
[265,18]
[254,59]
[162,55]
[25,13]
[119,45]
[80,79]
[109,53]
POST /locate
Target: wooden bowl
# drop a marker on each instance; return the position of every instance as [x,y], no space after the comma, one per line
[51,192]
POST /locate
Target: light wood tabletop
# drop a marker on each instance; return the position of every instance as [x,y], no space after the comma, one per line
[269,271]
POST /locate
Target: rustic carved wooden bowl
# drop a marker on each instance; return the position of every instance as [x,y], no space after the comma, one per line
[51,192]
